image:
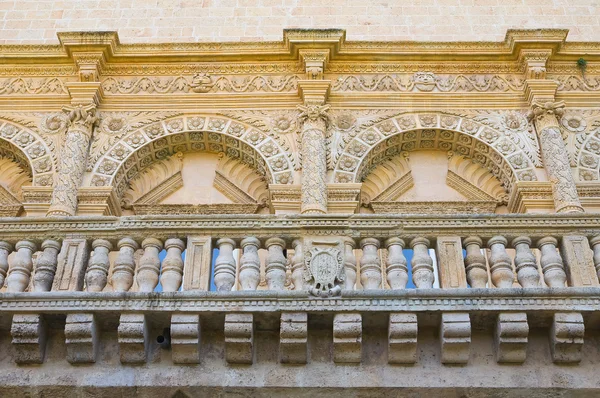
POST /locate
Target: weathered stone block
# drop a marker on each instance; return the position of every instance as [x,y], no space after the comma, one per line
[293,337]
[239,338]
[510,337]
[185,338]
[196,271]
[402,338]
[450,262]
[29,333]
[347,338]
[81,338]
[72,264]
[133,338]
[579,261]
[566,337]
[455,336]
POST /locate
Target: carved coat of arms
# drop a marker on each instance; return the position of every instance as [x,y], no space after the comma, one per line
[324,271]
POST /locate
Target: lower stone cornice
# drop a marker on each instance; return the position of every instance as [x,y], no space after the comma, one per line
[548,300]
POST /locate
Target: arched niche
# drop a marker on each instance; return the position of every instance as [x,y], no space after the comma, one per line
[431,182]
[139,148]
[196,182]
[433,131]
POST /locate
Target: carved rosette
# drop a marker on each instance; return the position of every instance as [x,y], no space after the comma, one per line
[556,156]
[324,271]
[73,159]
[314,159]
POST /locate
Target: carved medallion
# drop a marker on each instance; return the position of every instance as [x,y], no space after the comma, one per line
[324,271]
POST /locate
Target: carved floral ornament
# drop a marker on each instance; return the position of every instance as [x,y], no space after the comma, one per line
[494,149]
[29,150]
[140,148]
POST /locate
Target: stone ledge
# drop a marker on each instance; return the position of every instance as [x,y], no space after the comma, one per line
[410,300]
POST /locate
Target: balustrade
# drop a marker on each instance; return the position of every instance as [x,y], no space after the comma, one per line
[386,262]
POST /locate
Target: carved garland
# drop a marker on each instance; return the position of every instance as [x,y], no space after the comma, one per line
[452,133]
[144,146]
[25,147]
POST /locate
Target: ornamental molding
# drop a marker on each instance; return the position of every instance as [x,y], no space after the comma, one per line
[510,154]
[239,226]
[31,86]
[568,299]
[139,148]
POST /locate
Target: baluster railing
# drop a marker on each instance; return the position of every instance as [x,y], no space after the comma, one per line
[124,269]
[396,267]
[422,263]
[172,266]
[224,275]
[149,268]
[552,263]
[500,263]
[370,264]
[298,265]
[46,266]
[250,264]
[20,272]
[527,271]
[97,273]
[276,262]
[475,265]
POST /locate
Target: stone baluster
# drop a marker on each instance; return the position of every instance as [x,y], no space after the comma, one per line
[350,263]
[298,265]
[370,264]
[500,263]
[97,272]
[595,243]
[276,262]
[225,265]
[22,264]
[122,277]
[396,270]
[552,263]
[172,266]
[422,264]
[527,272]
[250,264]
[475,262]
[149,268]
[5,249]
[73,159]
[46,266]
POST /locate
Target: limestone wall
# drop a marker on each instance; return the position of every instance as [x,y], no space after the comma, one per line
[37,21]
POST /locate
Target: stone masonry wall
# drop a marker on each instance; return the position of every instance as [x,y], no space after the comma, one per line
[37,21]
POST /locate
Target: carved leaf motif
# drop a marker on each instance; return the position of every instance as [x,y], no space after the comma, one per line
[19,85]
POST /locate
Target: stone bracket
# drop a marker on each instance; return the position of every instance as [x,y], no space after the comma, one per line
[455,336]
[185,338]
[239,338]
[510,337]
[402,338]
[347,338]
[81,338]
[566,337]
[133,338]
[293,337]
[29,334]
[579,261]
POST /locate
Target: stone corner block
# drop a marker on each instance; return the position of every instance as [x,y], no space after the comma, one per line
[293,337]
[510,337]
[239,338]
[347,338]
[455,336]
[29,334]
[185,338]
[451,265]
[566,337]
[133,338]
[81,338]
[402,338]
[71,265]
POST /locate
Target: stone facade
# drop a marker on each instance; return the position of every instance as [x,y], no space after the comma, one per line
[370,217]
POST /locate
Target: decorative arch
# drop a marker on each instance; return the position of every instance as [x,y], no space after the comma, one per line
[434,131]
[142,147]
[25,147]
